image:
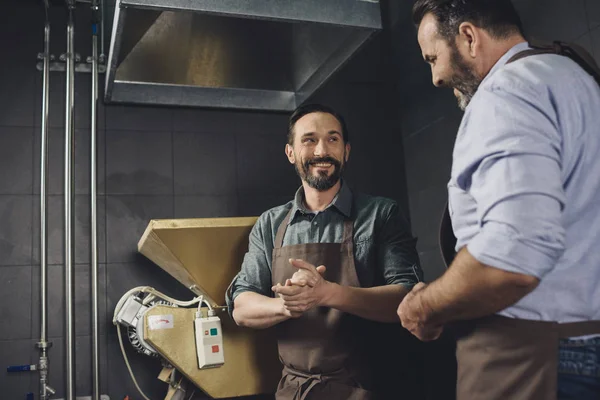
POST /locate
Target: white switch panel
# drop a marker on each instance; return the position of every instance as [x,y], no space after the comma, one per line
[209,342]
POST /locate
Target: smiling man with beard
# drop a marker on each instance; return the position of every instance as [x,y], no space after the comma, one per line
[324,267]
[523,291]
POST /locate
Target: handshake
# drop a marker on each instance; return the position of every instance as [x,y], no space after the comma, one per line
[307,289]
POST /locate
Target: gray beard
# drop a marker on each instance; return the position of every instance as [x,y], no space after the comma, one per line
[464,80]
[463,100]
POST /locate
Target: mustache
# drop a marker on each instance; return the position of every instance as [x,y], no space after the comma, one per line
[319,160]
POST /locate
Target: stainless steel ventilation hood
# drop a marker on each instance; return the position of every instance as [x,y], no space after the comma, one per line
[247,54]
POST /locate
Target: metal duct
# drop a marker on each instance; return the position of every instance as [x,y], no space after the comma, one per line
[251,54]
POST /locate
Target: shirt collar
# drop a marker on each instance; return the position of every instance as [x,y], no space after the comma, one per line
[342,202]
[504,59]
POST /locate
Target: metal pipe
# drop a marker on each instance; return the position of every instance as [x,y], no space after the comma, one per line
[43,183]
[43,344]
[94,211]
[69,254]
[102,15]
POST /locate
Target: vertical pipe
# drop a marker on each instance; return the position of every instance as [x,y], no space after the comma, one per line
[94,211]
[43,182]
[43,343]
[69,155]
[102,16]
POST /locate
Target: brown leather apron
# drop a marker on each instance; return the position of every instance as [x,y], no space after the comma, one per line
[320,350]
[503,358]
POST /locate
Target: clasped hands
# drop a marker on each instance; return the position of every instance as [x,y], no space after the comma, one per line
[304,291]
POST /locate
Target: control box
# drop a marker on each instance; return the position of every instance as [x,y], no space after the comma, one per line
[209,342]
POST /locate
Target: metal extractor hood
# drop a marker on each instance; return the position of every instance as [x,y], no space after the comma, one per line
[246,54]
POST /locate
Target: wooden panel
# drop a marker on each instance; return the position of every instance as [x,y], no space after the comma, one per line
[251,361]
[207,252]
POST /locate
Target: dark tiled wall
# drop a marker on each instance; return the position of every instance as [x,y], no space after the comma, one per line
[152,163]
[429,122]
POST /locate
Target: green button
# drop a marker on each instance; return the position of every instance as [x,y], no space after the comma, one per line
[213,332]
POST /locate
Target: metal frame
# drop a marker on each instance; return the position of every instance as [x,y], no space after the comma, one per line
[149,93]
[351,13]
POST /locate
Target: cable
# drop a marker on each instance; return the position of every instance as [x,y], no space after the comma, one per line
[153,293]
[163,296]
[127,364]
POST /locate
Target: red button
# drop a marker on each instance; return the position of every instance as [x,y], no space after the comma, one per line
[205,333]
[215,348]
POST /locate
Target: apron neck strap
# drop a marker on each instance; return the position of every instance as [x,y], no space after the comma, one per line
[281,230]
[348,231]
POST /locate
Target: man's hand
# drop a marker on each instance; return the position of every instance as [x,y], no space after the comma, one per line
[305,275]
[306,290]
[414,316]
[286,311]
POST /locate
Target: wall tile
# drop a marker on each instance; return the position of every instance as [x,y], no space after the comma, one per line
[205,206]
[593,13]
[429,155]
[595,37]
[139,162]
[17,95]
[230,121]
[126,220]
[16,385]
[263,167]
[427,208]
[432,264]
[16,160]
[426,105]
[27,17]
[586,42]
[204,163]
[15,235]
[138,118]
[15,302]
[556,19]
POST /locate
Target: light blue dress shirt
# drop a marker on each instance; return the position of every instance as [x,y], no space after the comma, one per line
[524,192]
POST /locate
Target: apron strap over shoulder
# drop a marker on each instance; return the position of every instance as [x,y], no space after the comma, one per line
[571,50]
[281,230]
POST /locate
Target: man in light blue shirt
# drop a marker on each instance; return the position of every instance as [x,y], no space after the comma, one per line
[524,199]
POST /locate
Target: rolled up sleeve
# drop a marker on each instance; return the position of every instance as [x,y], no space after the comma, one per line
[516,181]
[255,274]
[397,253]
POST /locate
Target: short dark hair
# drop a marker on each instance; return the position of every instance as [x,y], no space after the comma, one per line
[498,17]
[312,108]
